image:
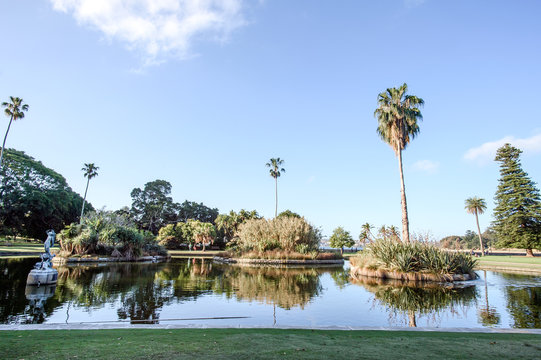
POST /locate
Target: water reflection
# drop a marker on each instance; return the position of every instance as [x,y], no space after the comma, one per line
[416,299]
[199,288]
[487,314]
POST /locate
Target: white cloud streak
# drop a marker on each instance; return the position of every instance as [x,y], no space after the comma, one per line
[427,166]
[158,29]
[487,151]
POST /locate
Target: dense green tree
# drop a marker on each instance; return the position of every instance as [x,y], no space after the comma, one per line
[152,207]
[275,171]
[195,211]
[518,204]
[228,224]
[203,233]
[90,171]
[14,110]
[289,213]
[476,206]
[34,198]
[398,115]
[341,238]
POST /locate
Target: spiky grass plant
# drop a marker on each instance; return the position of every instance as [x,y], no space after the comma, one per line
[413,257]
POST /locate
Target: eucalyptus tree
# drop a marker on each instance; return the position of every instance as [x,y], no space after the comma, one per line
[398,115]
[14,110]
[275,171]
[90,171]
[475,205]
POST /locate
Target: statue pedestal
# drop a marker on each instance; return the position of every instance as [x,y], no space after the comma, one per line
[42,277]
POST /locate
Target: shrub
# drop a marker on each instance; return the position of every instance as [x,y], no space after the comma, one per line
[413,257]
[282,233]
[104,233]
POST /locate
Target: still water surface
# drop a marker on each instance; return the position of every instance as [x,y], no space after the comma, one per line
[200,292]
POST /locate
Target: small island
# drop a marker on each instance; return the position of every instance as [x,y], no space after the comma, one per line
[415,261]
[284,240]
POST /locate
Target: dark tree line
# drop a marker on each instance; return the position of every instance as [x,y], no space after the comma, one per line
[34,198]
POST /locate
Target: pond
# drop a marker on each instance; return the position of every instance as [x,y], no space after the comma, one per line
[198,292]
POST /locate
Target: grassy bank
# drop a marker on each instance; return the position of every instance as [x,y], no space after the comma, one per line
[264,344]
[516,263]
[20,248]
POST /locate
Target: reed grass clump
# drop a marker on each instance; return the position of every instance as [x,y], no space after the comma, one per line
[288,234]
[385,254]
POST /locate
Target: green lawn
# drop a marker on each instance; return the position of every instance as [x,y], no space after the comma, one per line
[264,344]
[209,253]
[21,247]
[511,259]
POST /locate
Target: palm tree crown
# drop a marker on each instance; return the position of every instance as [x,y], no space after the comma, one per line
[274,165]
[91,170]
[397,115]
[14,110]
[475,205]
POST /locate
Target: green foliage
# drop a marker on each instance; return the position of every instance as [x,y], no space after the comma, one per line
[283,233]
[194,211]
[469,240]
[107,233]
[203,233]
[173,236]
[289,213]
[34,198]
[518,204]
[152,207]
[228,224]
[414,257]
[341,238]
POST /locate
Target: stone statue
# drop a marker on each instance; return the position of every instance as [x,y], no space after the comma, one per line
[43,272]
[47,257]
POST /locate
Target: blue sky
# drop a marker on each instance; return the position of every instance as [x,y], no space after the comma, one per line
[203,93]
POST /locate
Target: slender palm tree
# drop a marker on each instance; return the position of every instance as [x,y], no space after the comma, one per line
[398,115]
[476,206]
[91,170]
[275,171]
[15,110]
[366,233]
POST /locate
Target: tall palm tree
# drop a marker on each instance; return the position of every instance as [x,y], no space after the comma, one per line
[275,171]
[15,110]
[398,115]
[91,170]
[366,233]
[476,206]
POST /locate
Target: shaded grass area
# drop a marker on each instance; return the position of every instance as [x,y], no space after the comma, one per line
[21,247]
[264,344]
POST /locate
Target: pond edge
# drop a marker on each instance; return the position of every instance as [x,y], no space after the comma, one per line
[356,271]
[275,261]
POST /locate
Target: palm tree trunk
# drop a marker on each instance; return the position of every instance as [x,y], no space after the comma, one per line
[4,143]
[84,199]
[479,232]
[405,222]
[276,196]
[411,317]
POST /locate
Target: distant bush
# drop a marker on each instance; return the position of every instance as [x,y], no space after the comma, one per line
[281,255]
[173,236]
[413,257]
[282,233]
[104,233]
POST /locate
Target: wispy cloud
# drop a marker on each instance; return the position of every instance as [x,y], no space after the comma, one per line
[157,29]
[427,166]
[487,151]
